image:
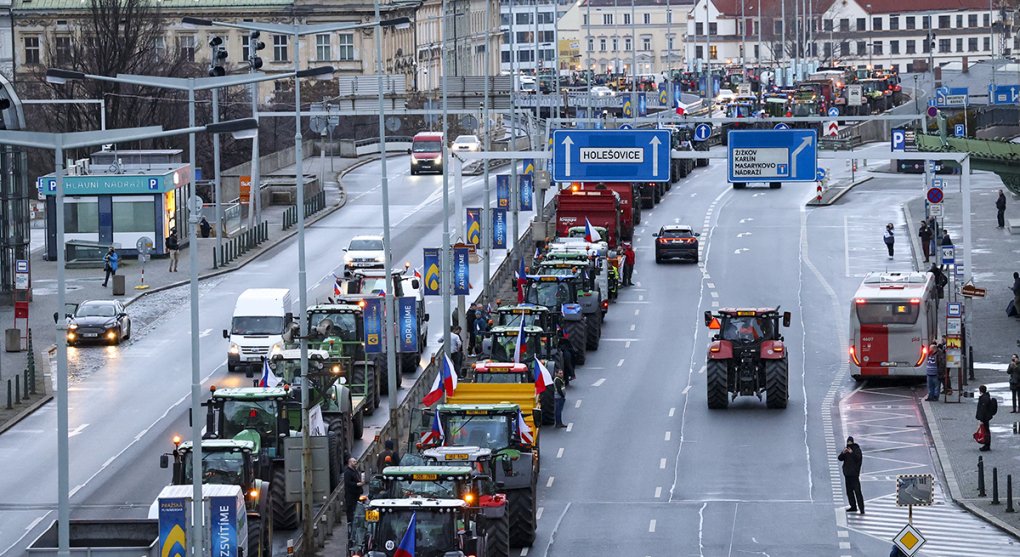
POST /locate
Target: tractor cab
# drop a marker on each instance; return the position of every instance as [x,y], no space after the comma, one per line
[747,326]
[441,527]
[252,411]
[338,328]
[533,316]
[433,482]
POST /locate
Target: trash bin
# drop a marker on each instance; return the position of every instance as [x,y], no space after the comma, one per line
[12,340]
[118,285]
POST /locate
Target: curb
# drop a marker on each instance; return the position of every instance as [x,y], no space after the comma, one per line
[842,191]
[31,408]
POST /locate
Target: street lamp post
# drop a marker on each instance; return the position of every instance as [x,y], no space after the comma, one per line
[59,143]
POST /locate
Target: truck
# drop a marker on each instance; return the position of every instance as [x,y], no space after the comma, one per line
[500,370]
[599,207]
[747,356]
[226,530]
[262,324]
[630,208]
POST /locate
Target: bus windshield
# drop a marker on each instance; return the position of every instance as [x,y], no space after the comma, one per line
[888,313]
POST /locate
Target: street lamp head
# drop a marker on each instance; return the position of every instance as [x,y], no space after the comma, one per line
[197,21]
[320,72]
[245,128]
[60,77]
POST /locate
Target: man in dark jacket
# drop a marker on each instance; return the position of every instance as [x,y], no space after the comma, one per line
[925,235]
[1000,209]
[851,457]
[388,453]
[352,488]
[946,239]
[984,414]
[560,397]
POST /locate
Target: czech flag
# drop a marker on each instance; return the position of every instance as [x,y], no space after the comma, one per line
[590,234]
[522,279]
[522,426]
[336,289]
[445,383]
[269,379]
[406,547]
[543,379]
[435,436]
[679,109]
[519,344]
[417,274]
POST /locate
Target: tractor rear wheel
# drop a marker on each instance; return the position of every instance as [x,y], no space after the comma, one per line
[593,332]
[358,426]
[285,515]
[715,378]
[497,540]
[521,504]
[777,383]
[338,424]
[408,363]
[576,333]
[382,373]
[366,372]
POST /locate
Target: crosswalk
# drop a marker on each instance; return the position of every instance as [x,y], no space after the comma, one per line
[950,530]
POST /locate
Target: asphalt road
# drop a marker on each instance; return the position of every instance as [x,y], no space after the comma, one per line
[127,402]
[646,469]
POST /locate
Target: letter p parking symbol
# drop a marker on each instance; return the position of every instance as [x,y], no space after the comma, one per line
[899,140]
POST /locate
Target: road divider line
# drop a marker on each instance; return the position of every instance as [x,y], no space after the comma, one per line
[637,312]
[559,453]
[662,464]
[34,523]
[599,382]
[570,427]
[538,513]
[577,404]
[632,327]
[75,490]
[651,526]
[668,435]
[550,482]
[671,412]
[626,344]
[658,492]
[687,388]
[620,363]
[710,284]
[640,297]
[524,552]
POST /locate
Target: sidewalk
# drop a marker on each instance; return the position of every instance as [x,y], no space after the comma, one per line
[993,337]
[87,284]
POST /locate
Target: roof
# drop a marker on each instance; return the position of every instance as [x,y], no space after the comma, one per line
[417,503]
[165,5]
[293,354]
[522,308]
[230,444]
[497,407]
[401,471]
[894,286]
[335,308]
[906,6]
[732,7]
[637,3]
[250,393]
[678,228]
[458,453]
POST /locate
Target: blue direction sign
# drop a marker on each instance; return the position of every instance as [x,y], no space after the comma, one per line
[833,112]
[773,156]
[959,130]
[821,174]
[1004,94]
[782,126]
[702,132]
[611,155]
[951,96]
[626,127]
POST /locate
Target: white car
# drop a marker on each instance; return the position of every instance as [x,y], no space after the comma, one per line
[364,252]
[466,143]
[602,91]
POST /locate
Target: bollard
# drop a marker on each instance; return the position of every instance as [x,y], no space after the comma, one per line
[981,477]
[1009,494]
[26,386]
[995,485]
[970,363]
[9,404]
[17,389]
[31,375]
[214,265]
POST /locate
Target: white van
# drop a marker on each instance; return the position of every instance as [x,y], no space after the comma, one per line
[261,326]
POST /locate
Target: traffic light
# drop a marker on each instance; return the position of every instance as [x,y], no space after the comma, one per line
[931,41]
[219,54]
[254,46]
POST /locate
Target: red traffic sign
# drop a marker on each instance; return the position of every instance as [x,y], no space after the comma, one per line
[934,195]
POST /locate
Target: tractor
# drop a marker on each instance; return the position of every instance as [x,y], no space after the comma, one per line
[578,312]
[230,462]
[510,382]
[339,329]
[747,356]
[443,527]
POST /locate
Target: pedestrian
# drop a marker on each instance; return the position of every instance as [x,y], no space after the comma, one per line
[173,249]
[486,343]
[946,240]
[110,264]
[895,552]
[925,235]
[931,371]
[1014,382]
[388,457]
[986,409]
[560,397]
[205,227]
[889,239]
[353,482]
[1000,209]
[1016,292]
[940,358]
[568,357]
[456,349]
[851,457]
[940,280]
[469,322]
[628,264]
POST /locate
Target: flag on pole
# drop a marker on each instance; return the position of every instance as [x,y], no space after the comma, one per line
[522,279]
[543,379]
[445,383]
[519,344]
[522,426]
[336,289]
[590,234]
[269,379]
[406,547]
[436,434]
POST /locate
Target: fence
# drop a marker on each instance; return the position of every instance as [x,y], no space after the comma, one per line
[240,244]
[23,386]
[312,206]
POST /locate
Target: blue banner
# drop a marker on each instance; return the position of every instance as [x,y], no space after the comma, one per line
[529,166]
[373,325]
[474,226]
[461,272]
[526,187]
[173,527]
[433,272]
[642,103]
[676,94]
[503,191]
[407,324]
[224,526]
[628,106]
[499,228]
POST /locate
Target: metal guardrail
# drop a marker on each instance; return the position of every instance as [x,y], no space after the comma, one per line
[240,244]
[312,206]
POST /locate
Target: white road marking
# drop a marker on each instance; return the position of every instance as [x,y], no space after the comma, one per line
[739,251]
[668,435]
[620,363]
[538,513]
[577,404]
[640,297]
[205,333]
[75,490]
[710,284]
[632,327]
[702,369]
[570,427]
[599,382]
[662,464]
[559,453]
[34,522]
[846,247]
[742,234]
[693,194]
[687,388]
[77,430]
[637,312]
[524,551]
[651,526]
[627,344]
[747,219]
[550,482]
[658,492]
[671,412]
[714,294]
[715,304]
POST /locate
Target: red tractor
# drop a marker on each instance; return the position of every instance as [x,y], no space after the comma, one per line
[747,356]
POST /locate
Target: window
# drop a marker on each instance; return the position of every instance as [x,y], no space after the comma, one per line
[844,48]
[959,21]
[506,37]
[545,17]
[959,45]
[911,47]
[31,50]
[972,44]
[910,22]
[876,48]
[699,52]
[525,37]
[626,19]
[504,20]
[62,50]
[546,36]
[844,25]
[972,20]
[926,22]
[926,45]
[669,16]
[713,52]
[827,26]
[647,19]
[943,22]
[987,44]
[186,47]
[159,46]
[322,47]
[699,28]
[945,45]
[585,20]
[894,22]
[862,24]
[591,45]
[525,56]
[646,43]
[525,19]
[616,44]
[828,51]
[345,50]
[713,29]
[894,47]
[280,48]
[134,214]
[777,27]
[504,57]
[987,20]
[862,48]
[607,19]
[626,45]
[81,216]
[876,24]
[602,45]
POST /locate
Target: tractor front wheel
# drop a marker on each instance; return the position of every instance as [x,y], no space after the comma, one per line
[497,540]
[576,333]
[715,377]
[522,516]
[777,383]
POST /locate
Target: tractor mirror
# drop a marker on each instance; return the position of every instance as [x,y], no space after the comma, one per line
[500,485]
[56,316]
[164,461]
[226,333]
[288,317]
[190,421]
[786,319]
[426,318]
[536,415]
[708,318]
[415,283]
[655,234]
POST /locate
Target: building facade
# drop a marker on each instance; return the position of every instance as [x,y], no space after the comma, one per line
[529,35]
[469,35]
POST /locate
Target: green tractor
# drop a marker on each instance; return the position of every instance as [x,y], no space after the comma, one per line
[230,462]
[560,286]
[504,429]
[339,330]
[443,527]
[564,259]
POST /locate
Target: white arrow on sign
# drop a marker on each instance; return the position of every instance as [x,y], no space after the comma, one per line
[793,159]
[567,142]
[1013,94]
[655,155]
